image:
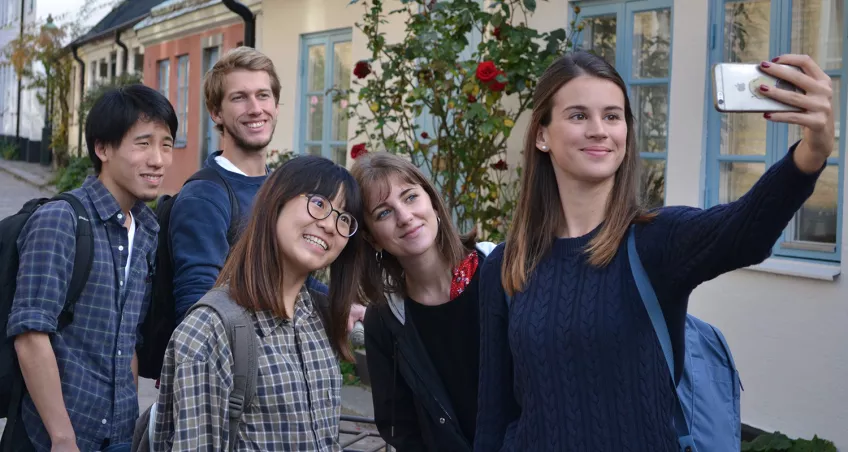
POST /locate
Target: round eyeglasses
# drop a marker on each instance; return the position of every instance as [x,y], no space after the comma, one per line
[320,207]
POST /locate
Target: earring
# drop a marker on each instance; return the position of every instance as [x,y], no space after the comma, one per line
[379,256]
[544,148]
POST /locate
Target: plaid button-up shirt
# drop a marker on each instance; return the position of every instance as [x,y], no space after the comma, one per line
[297,404]
[95,351]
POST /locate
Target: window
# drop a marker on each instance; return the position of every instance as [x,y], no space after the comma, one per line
[113,65]
[635,37]
[325,70]
[741,146]
[211,136]
[164,71]
[182,100]
[104,69]
[138,60]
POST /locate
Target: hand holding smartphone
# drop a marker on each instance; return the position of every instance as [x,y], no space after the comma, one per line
[736,87]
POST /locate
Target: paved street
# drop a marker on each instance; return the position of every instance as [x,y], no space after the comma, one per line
[15,193]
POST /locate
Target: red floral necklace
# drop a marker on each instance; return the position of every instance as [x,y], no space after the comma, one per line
[462,274]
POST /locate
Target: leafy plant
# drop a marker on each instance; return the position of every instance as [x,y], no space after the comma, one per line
[448,94]
[349,376]
[778,442]
[8,151]
[276,158]
[73,175]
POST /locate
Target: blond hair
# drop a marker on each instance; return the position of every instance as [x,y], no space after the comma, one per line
[240,58]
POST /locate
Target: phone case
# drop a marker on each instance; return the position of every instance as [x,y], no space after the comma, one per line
[736,88]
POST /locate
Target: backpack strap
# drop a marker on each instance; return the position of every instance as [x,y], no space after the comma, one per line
[652,305]
[212,175]
[245,348]
[83,258]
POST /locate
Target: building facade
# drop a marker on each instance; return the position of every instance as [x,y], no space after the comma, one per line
[182,40]
[29,127]
[782,318]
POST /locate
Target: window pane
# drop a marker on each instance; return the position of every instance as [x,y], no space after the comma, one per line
[653,183]
[314,117]
[746,31]
[651,43]
[340,119]
[816,221]
[340,154]
[314,150]
[315,72]
[341,65]
[795,130]
[599,37]
[651,110]
[737,178]
[743,134]
[817,30]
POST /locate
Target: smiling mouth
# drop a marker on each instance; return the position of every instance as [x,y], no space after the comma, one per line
[413,231]
[255,125]
[152,178]
[316,241]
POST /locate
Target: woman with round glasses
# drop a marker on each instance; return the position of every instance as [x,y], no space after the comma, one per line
[305,219]
[422,336]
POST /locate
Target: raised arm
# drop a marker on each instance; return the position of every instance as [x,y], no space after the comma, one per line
[699,245]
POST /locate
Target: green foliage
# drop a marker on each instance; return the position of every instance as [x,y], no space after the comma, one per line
[8,151]
[277,158]
[450,103]
[73,175]
[349,376]
[778,442]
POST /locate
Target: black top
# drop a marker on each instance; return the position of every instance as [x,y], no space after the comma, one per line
[451,334]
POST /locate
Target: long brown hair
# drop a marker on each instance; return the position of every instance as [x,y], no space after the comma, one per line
[254,267]
[373,172]
[538,216]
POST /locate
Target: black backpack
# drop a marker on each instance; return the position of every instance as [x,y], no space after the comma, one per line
[12,386]
[161,319]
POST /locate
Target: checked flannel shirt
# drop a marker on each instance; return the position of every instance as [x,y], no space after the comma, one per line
[95,351]
[297,404]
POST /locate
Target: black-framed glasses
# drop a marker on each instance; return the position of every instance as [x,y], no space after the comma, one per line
[320,207]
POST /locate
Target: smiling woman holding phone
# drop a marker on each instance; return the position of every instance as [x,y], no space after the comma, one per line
[573,362]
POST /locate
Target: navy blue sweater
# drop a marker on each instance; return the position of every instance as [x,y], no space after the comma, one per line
[574,363]
[200,219]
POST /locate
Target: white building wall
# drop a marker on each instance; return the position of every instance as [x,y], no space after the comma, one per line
[32,117]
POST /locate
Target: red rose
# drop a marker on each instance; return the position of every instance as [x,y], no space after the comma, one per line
[358,150]
[497,86]
[425,135]
[362,69]
[500,165]
[487,71]
[497,33]
[471,98]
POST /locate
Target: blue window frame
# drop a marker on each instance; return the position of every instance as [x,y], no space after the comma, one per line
[324,83]
[635,37]
[163,68]
[182,101]
[741,146]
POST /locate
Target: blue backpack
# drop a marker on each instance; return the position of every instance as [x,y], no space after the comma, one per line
[707,415]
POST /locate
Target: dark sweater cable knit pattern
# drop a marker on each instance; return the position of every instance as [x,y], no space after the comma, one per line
[575,364]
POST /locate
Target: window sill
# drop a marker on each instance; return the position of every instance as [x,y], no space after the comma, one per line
[800,269]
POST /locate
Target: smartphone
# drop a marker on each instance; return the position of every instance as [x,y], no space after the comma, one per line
[737,89]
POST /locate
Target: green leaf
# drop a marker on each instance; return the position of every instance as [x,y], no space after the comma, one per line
[530,5]
[497,20]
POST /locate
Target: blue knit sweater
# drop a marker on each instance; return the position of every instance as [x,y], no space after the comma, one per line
[574,363]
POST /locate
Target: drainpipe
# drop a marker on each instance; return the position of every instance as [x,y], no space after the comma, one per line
[249,20]
[82,93]
[126,51]
[21,85]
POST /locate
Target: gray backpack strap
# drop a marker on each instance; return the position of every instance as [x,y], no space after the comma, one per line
[245,347]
